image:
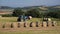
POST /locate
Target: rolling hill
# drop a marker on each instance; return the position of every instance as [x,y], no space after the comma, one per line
[6,9]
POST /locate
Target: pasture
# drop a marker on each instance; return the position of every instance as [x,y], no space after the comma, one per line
[29,30]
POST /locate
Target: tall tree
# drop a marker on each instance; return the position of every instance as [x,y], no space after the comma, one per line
[17,12]
[33,12]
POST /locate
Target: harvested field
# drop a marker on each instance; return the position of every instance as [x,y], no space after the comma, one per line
[14,29]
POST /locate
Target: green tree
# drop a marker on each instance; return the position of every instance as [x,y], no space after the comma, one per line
[17,12]
[54,14]
[33,13]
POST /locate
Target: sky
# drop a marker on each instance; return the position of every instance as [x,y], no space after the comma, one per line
[25,3]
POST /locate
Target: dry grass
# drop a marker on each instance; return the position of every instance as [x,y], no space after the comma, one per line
[27,30]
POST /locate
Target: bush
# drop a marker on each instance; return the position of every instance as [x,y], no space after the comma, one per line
[7,15]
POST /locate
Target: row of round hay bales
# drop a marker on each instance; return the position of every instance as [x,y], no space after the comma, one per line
[48,23]
[32,24]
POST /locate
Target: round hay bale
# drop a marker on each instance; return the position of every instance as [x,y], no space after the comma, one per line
[49,23]
[49,19]
[44,24]
[21,24]
[1,25]
[25,24]
[28,24]
[18,25]
[45,19]
[15,25]
[30,17]
[54,23]
[39,24]
[32,24]
[7,25]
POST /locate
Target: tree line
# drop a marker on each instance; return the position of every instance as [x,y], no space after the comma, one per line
[36,12]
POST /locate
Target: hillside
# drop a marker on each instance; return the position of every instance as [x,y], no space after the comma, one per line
[6,9]
[32,7]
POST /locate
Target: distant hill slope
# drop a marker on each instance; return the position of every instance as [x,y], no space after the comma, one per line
[57,6]
[42,8]
[6,7]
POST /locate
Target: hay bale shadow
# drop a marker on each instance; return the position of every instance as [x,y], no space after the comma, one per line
[31,24]
[37,24]
[11,25]
[3,25]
